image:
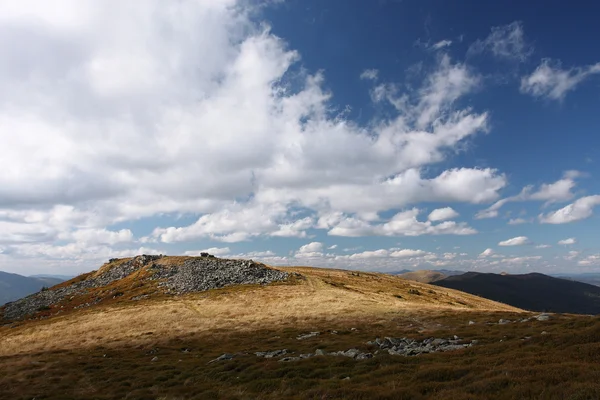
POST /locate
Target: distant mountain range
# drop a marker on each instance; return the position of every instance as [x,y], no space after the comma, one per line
[593,278]
[535,292]
[14,286]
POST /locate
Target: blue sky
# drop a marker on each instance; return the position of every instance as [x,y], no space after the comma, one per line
[375,135]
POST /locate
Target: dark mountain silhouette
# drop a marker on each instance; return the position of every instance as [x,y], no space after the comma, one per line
[14,286]
[535,292]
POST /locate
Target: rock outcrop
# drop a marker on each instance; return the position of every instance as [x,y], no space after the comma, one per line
[194,274]
[200,274]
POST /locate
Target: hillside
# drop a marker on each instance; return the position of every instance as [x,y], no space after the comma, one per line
[534,291]
[201,327]
[423,276]
[14,286]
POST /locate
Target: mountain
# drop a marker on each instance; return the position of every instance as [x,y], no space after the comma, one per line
[203,327]
[592,278]
[59,277]
[423,276]
[155,276]
[534,291]
[14,286]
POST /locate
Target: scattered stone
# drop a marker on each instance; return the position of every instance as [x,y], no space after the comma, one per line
[223,357]
[544,333]
[154,359]
[471,323]
[288,359]
[410,347]
[271,354]
[308,335]
[504,321]
[320,352]
[543,317]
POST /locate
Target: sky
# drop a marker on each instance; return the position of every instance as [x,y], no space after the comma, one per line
[374,135]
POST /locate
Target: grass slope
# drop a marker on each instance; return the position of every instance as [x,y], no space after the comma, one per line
[106,351]
[533,291]
[423,276]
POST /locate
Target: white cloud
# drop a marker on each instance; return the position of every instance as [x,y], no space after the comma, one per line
[506,42]
[369,74]
[332,247]
[590,261]
[407,253]
[581,209]
[217,251]
[185,109]
[442,214]
[516,241]
[543,246]
[441,44]
[102,236]
[558,191]
[404,223]
[370,254]
[294,229]
[517,221]
[487,253]
[567,241]
[549,80]
[313,249]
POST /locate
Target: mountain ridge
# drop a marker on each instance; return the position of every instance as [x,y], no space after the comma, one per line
[532,291]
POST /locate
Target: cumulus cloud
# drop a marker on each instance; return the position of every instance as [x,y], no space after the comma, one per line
[590,261]
[407,253]
[581,209]
[442,214]
[543,246]
[185,108]
[516,241]
[404,223]
[506,42]
[487,253]
[567,241]
[313,249]
[550,81]
[558,191]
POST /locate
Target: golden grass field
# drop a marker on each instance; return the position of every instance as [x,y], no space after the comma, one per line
[106,351]
[324,296]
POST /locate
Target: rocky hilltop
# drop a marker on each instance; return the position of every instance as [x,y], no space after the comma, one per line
[140,277]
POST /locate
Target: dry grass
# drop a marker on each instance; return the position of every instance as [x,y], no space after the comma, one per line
[324,296]
[106,352]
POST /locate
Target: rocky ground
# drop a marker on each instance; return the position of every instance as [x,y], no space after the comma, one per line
[200,274]
[393,346]
[194,275]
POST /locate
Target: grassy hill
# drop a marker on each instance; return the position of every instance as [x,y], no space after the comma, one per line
[164,345]
[423,276]
[536,292]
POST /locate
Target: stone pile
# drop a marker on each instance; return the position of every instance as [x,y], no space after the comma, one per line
[196,274]
[41,300]
[199,274]
[410,347]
